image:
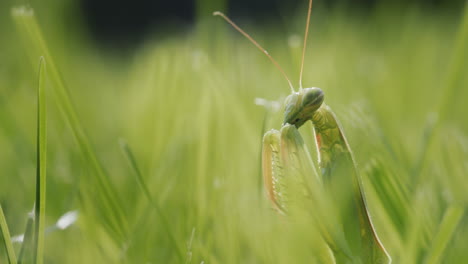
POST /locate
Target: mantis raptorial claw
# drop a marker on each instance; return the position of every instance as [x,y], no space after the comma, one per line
[284,158]
[272,167]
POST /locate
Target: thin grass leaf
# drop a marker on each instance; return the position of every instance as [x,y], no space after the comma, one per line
[27,240]
[7,238]
[112,211]
[166,226]
[457,67]
[451,88]
[41,166]
[449,224]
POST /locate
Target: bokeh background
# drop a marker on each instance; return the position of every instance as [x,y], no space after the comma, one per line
[179,86]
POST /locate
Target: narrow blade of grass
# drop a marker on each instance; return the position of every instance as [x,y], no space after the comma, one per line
[41,159]
[166,226]
[7,238]
[451,89]
[447,227]
[457,67]
[23,256]
[112,213]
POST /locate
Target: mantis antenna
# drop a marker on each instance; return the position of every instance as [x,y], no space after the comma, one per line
[305,42]
[217,13]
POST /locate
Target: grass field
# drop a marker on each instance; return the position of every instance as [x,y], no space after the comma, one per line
[181,110]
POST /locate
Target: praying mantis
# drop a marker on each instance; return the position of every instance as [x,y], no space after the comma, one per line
[284,155]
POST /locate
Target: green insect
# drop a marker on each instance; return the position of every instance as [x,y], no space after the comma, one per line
[351,237]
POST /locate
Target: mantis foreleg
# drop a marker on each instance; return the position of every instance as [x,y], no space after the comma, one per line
[287,169]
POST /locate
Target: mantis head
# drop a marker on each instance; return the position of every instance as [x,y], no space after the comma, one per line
[300,106]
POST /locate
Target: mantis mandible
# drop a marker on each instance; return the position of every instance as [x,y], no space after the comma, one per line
[284,152]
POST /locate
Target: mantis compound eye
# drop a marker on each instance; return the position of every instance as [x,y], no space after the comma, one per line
[312,99]
[291,108]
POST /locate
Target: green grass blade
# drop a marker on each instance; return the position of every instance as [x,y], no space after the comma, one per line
[7,238]
[449,224]
[23,256]
[451,88]
[112,212]
[166,226]
[41,166]
[457,67]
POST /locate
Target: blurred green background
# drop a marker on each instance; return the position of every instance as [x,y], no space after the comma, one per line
[182,96]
